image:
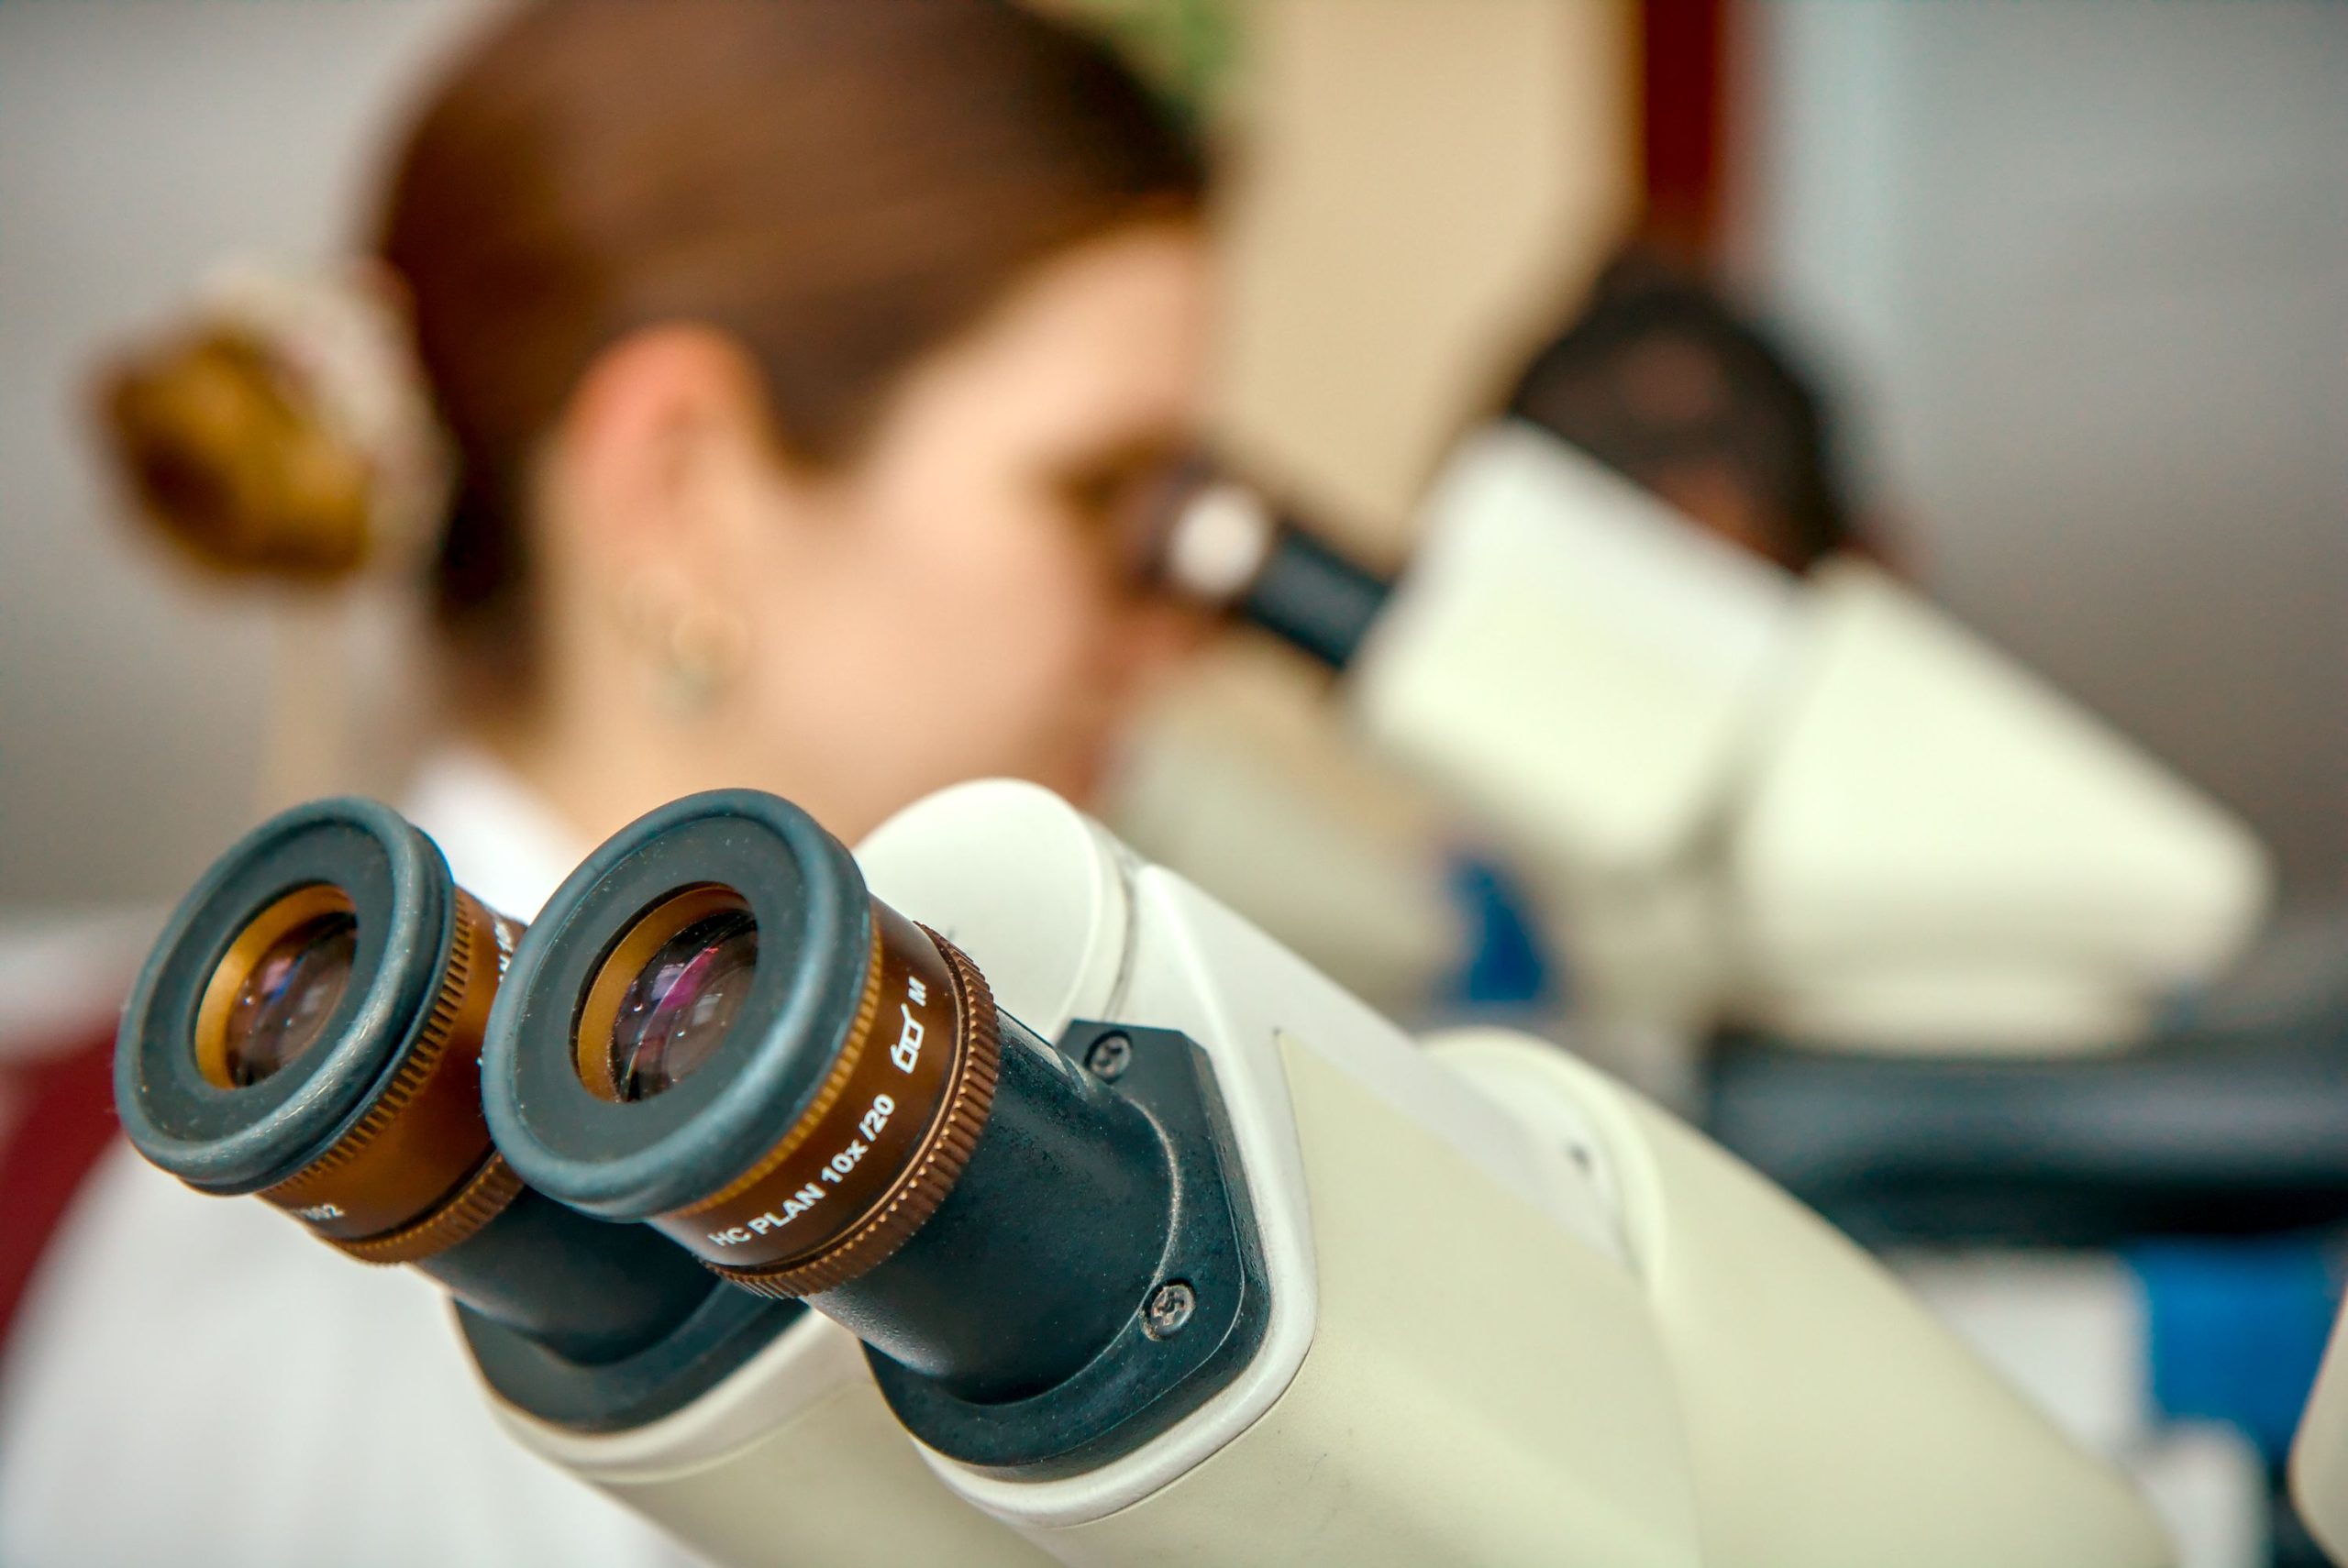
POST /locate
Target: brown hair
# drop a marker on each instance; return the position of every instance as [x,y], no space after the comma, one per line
[1662,371]
[841,185]
[223,450]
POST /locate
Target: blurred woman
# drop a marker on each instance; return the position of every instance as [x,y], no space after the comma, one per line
[764,382]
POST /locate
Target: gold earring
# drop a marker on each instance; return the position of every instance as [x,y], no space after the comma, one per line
[693,650]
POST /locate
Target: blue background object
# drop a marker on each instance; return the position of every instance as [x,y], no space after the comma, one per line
[2237,1330]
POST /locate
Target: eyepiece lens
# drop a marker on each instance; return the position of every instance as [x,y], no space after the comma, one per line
[288,995]
[274,991]
[682,1001]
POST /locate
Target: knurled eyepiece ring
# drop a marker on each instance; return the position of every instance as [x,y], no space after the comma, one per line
[937,1164]
[415,1174]
[880,1141]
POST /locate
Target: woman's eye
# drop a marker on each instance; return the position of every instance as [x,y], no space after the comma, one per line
[1107,490]
[1098,497]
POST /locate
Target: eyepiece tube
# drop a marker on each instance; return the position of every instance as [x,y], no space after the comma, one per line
[716,1029]
[308,1030]
[1220,543]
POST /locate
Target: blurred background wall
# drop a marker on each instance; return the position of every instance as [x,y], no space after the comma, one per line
[139,143]
[1424,189]
[1421,190]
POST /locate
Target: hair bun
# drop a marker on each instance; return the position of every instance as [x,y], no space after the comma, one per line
[283,430]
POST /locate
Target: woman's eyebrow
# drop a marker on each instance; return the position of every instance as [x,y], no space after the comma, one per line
[1123,456]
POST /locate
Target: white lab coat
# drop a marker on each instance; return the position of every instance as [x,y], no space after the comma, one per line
[193,1381]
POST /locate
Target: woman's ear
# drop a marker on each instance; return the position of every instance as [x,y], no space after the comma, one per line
[665,443]
[664,473]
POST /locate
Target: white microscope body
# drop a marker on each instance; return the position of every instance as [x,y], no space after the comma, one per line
[1516,1314]
[2319,1457]
[1818,805]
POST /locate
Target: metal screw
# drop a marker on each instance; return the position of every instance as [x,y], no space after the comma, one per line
[1109,1057]
[1169,1309]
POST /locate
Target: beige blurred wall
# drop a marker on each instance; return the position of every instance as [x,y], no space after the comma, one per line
[1425,184]
[1423,187]
[139,143]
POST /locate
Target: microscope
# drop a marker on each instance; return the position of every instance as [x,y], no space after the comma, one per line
[1812,805]
[992,1196]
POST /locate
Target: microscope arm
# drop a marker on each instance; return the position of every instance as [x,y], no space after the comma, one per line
[1517,1311]
[1501,1310]
[793,1459]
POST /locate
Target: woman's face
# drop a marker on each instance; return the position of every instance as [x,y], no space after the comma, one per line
[953,604]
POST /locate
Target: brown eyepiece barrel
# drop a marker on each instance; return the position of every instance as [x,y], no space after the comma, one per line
[416,1173]
[877,1148]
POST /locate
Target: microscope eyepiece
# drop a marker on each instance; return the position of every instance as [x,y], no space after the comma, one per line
[719,1032]
[308,1029]
[1219,542]
[716,1029]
